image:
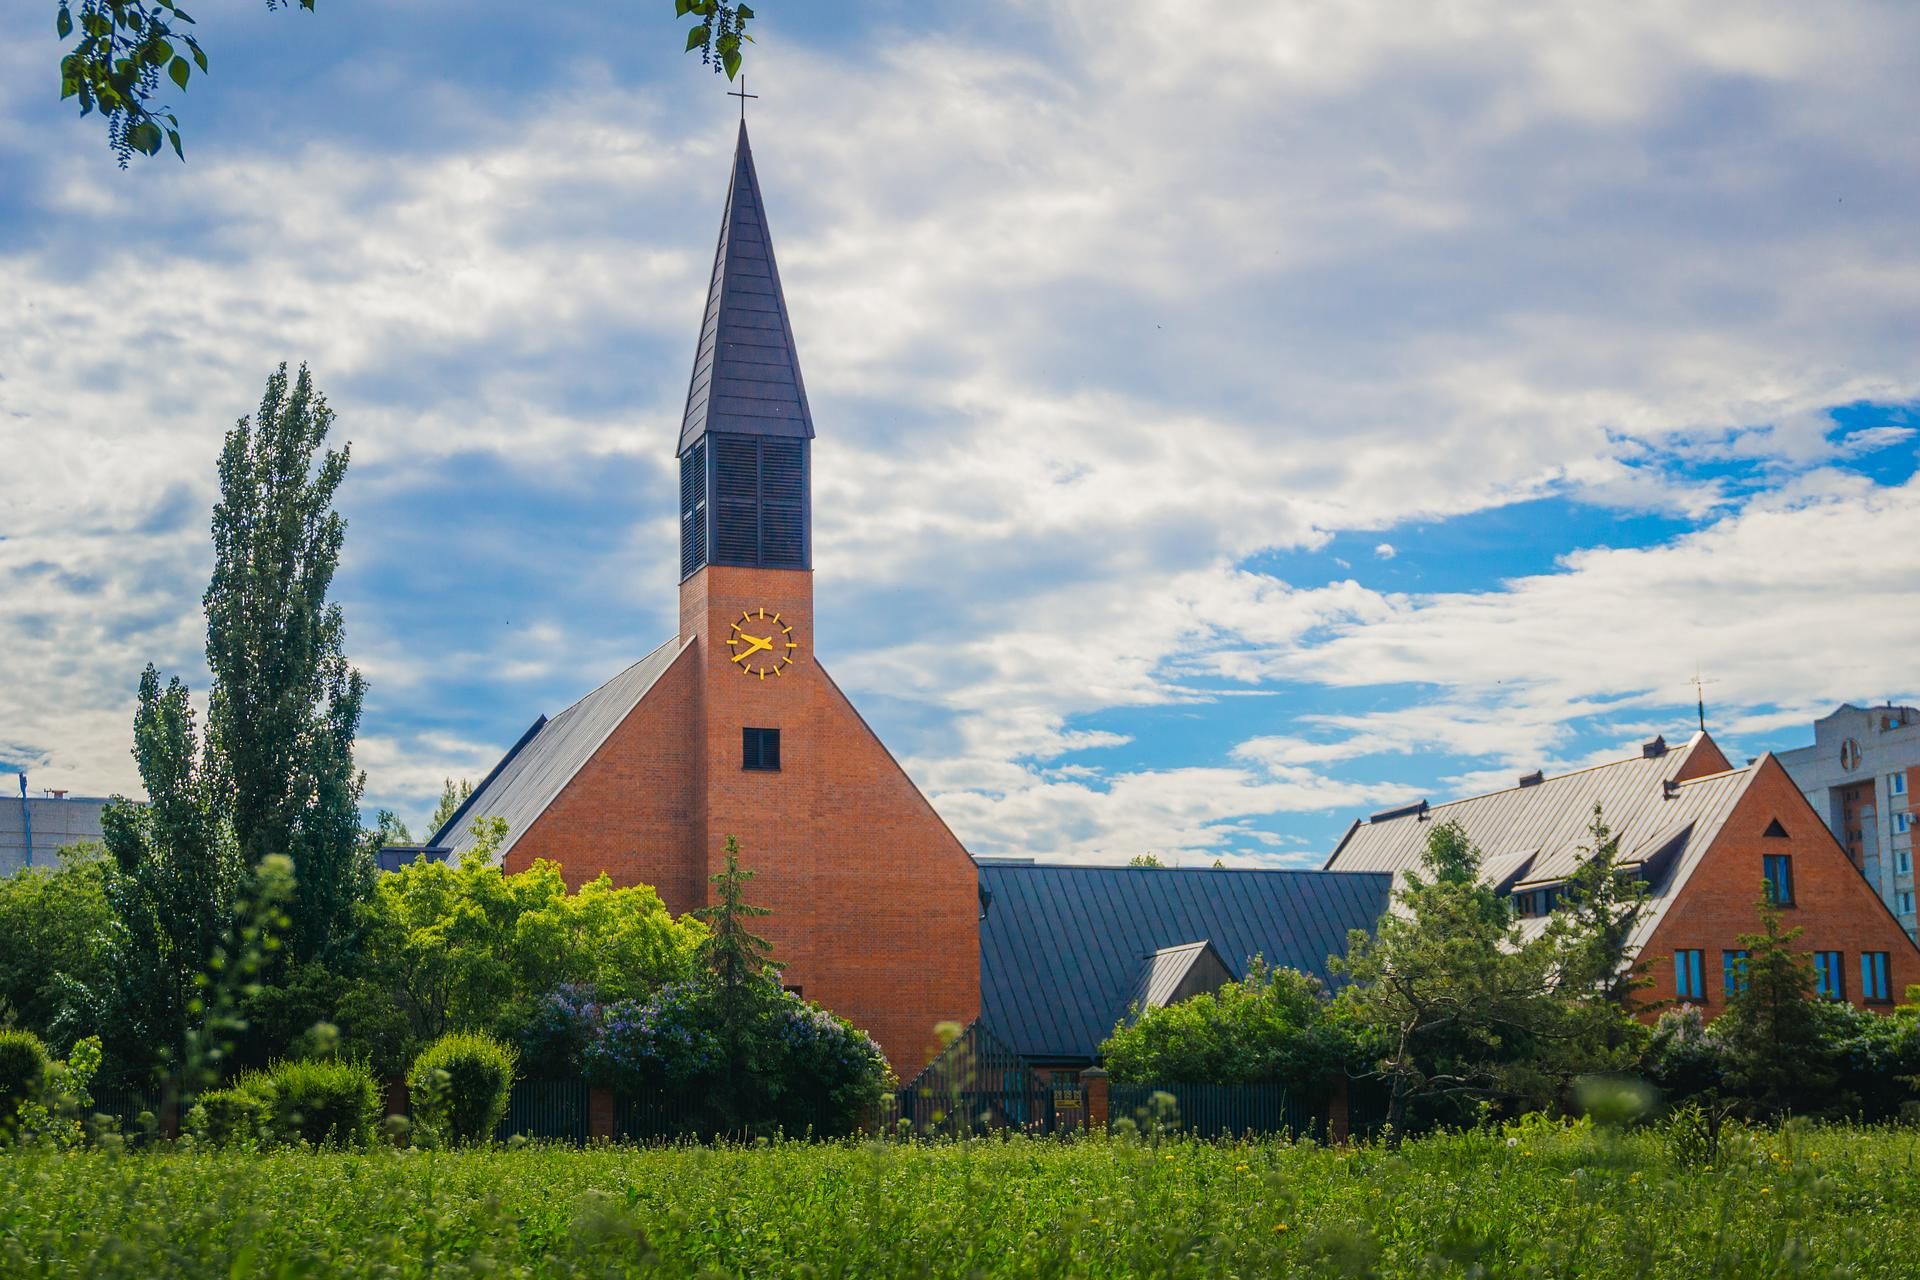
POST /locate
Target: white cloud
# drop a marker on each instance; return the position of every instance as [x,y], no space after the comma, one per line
[1384,551]
[1082,335]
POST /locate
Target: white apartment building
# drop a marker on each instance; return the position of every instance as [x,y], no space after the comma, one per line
[1861,774]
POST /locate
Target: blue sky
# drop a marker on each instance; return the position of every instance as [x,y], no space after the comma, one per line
[1222,435]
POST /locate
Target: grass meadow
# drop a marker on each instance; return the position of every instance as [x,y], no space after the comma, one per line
[1534,1200]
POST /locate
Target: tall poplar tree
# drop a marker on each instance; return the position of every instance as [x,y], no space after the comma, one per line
[285,703]
[175,875]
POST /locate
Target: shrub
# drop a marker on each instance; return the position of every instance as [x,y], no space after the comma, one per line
[829,1072]
[240,1113]
[559,1031]
[665,1042]
[459,1084]
[323,1101]
[23,1072]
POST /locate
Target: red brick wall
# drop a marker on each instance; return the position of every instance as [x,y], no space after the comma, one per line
[1833,903]
[1703,759]
[634,810]
[875,903]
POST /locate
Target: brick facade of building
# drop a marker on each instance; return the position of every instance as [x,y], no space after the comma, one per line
[1833,905]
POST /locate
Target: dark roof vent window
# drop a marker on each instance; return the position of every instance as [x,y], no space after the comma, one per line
[1776,831]
[1653,748]
[1533,779]
[1404,811]
[1669,789]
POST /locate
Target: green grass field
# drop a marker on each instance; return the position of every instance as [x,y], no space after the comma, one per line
[1534,1201]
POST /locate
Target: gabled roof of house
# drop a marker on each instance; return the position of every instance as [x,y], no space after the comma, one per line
[1540,834]
[549,754]
[1162,972]
[746,372]
[1061,948]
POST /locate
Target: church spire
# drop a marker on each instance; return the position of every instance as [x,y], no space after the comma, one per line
[746,375]
[744,483]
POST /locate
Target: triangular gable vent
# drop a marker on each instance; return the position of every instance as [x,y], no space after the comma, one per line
[1776,831]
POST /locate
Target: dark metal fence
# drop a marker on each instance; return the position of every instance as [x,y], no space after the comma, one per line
[554,1110]
[1028,1110]
[654,1119]
[124,1105]
[1216,1110]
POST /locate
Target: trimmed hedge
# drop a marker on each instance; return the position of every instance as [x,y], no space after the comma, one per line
[323,1101]
[23,1072]
[458,1086]
[239,1114]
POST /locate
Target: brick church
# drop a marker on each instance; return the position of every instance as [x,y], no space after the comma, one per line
[733,728]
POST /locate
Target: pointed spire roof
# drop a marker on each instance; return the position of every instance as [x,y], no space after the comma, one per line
[746,375]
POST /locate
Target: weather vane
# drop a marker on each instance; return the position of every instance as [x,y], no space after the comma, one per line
[743,95]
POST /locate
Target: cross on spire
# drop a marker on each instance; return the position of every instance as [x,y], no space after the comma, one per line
[743,95]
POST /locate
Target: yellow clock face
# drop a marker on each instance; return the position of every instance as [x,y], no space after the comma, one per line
[761,644]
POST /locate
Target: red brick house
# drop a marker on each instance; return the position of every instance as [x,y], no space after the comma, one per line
[1707,838]
[733,728]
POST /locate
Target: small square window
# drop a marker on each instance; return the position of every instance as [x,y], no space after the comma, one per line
[760,749]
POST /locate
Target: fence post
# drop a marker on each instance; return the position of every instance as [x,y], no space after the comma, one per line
[1339,1121]
[1093,1081]
[600,1114]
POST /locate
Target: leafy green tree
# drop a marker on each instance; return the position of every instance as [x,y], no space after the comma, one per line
[464,948]
[452,796]
[1272,1026]
[176,871]
[386,829]
[285,704]
[1144,860]
[1778,1056]
[55,925]
[719,31]
[1463,1006]
[121,49]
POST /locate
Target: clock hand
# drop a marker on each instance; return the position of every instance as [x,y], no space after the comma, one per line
[754,645]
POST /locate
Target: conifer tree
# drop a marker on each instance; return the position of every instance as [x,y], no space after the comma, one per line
[1778,1056]
[741,962]
[285,704]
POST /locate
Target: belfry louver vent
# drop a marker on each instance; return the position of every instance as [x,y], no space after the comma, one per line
[758,513]
[693,509]
[783,498]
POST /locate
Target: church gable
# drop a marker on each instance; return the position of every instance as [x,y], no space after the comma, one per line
[538,769]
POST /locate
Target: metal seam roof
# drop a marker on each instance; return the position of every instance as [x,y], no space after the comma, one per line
[746,370]
[1553,817]
[1061,947]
